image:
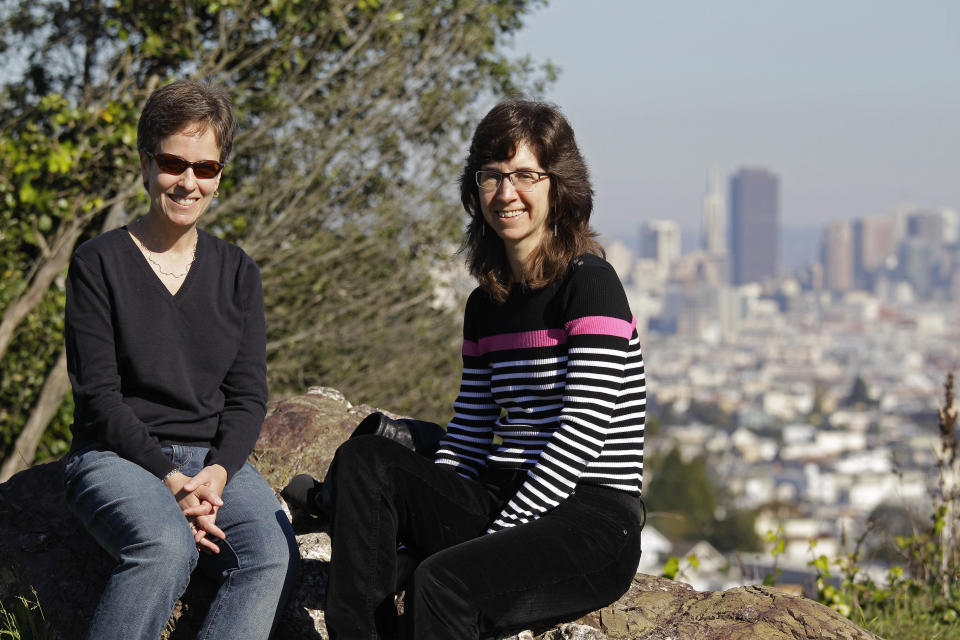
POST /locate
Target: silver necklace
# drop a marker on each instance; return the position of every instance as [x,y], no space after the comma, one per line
[156,265]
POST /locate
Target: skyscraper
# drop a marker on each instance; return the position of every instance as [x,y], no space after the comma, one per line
[660,241]
[754,225]
[874,241]
[937,227]
[836,253]
[714,222]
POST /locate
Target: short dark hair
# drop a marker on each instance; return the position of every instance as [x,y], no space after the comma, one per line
[178,105]
[549,136]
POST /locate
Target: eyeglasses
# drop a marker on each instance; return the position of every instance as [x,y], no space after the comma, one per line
[490,180]
[175,165]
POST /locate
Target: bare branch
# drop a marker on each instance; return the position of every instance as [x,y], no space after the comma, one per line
[51,397]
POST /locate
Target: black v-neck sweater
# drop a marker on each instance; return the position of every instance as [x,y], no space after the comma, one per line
[150,368]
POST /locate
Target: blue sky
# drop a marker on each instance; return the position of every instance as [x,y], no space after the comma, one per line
[855,104]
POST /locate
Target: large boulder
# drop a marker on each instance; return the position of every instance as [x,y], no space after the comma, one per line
[43,547]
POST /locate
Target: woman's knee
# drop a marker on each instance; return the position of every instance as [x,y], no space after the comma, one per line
[366,459]
[436,579]
[168,548]
[365,450]
[443,604]
[278,553]
[262,541]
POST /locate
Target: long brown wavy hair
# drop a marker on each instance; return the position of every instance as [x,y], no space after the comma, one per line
[547,133]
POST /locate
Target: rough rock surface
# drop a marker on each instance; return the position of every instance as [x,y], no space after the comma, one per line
[42,546]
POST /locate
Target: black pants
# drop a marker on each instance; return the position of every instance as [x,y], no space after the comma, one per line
[577,558]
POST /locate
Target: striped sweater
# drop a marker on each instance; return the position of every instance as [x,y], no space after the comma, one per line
[557,374]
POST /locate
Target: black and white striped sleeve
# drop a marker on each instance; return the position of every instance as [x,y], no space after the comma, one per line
[469,436]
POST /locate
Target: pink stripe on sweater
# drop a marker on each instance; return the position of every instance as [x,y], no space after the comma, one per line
[602,325]
[597,325]
[518,340]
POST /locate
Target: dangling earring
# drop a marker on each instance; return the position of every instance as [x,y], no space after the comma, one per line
[216,194]
[483,229]
[554,229]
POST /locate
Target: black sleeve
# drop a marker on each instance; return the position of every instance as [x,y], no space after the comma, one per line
[245,385]
[94,374]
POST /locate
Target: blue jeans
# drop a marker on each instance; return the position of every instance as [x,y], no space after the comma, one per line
[578,557]
[135,518]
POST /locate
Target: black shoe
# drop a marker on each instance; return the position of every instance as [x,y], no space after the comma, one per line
[303,495]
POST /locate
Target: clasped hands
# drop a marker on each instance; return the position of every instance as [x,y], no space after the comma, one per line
[199,499]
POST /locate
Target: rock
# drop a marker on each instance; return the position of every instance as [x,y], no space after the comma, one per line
[660,609]
[300,434]
[42,546]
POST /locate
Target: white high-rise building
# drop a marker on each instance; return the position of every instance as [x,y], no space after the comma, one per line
[714,217]
[951,225]
[660,241]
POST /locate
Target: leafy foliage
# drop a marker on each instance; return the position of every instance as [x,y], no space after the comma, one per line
[674,570]
[683,504]
[920,596]
[49,163]
[353,118]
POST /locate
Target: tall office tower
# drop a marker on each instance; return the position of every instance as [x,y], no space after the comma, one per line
[714,218]
[915,263]
[660,241]
[951,225]
[874,240]
[754,225]
[836,256]
[937,227]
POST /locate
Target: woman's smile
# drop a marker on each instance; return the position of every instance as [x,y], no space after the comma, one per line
[181,199]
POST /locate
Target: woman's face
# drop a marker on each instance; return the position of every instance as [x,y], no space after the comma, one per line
[518,217]
[181,199]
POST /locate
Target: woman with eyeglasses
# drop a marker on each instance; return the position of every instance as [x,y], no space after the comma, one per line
[166,355]
[530,512]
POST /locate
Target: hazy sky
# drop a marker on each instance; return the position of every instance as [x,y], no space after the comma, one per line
[855,104]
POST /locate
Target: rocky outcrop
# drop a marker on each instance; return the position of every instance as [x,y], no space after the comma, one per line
[43,547]
[660,609]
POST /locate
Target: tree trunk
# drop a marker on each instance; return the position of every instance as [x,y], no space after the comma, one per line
[51,396]
[949,481]
[52,266]
[21,307]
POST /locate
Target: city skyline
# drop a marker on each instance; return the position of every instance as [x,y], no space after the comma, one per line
[851,105]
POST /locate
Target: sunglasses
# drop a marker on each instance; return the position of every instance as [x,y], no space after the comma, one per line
[175,165]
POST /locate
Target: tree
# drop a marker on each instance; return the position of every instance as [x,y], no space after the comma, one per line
[683,490]
[859,396]
[683,502]
[887,523]
[736,532]
[353,119]
[710,413]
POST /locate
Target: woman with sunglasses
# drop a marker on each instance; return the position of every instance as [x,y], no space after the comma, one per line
[166,355]
[531,511]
